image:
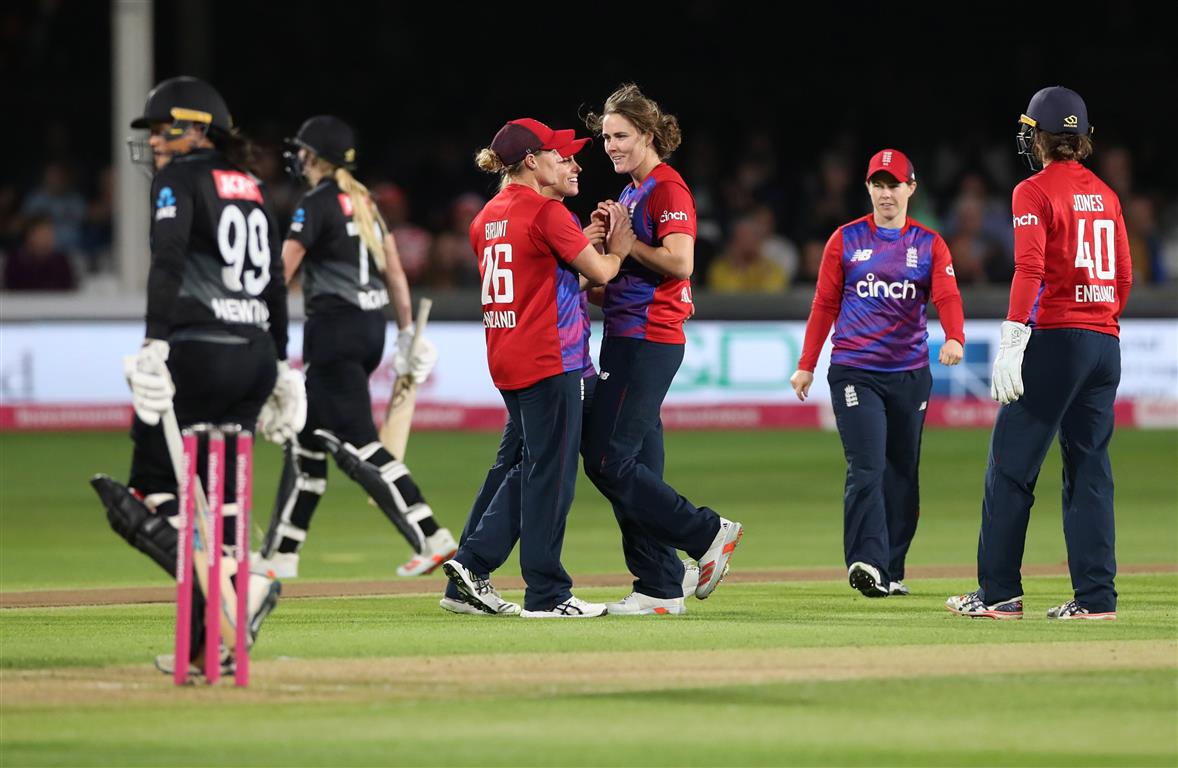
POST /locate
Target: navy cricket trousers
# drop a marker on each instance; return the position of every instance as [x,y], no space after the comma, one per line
[496,507]
[548,416]
[880,417]
[1070,377]
[624,460]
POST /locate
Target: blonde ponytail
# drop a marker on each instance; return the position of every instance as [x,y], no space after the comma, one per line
[365,215]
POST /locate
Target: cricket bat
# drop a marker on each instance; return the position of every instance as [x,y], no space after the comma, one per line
[394,433]
[207,546]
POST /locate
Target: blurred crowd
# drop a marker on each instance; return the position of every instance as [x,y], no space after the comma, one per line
[761,228]
[770,188]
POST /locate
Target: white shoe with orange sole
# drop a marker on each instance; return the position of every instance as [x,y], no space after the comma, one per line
[439,548]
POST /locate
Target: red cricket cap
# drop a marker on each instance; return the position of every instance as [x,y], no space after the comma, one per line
[520,138]
[893,162]
[573,147]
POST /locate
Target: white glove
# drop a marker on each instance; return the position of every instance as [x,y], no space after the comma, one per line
[1006,380]
[421,364]
[284,413]
[151,384]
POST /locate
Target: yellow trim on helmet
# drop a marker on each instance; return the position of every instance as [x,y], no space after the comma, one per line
[194,115]
[1029,121]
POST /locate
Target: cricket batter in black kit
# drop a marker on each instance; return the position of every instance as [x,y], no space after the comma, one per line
[216,333]
[350,269]
[1057,368]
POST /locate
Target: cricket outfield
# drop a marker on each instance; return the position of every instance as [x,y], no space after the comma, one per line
[784,665]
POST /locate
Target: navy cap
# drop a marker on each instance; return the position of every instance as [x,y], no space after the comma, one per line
[1057,110]
[520,138]
[330,138]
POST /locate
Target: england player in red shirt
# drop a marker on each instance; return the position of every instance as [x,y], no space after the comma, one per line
[531,252]
[877,276]
[1057,368]
[645,308]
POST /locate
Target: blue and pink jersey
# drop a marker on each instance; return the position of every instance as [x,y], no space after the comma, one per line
[532,305]
[577,319]
[641,303]
[873,286]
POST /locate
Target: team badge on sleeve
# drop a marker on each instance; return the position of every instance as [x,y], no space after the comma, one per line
[297,221]
[165,204]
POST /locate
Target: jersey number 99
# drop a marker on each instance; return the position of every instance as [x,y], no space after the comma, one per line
[239,237]
[498,284]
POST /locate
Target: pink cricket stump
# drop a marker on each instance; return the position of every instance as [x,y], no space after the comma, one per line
[184,562]
[245,478]
[216,492]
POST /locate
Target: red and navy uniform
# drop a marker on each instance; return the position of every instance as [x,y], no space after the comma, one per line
[640,354]
[874,286]
[498,511]
[531,296]
[1073,274]
[537,350]
[641,303]
[1072,267]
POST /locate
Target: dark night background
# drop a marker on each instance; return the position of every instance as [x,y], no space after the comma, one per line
[766,103]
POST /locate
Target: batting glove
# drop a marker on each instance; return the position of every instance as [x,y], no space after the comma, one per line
[284,413]
[423,361]
[401,354]
[150,382]
[1006,380]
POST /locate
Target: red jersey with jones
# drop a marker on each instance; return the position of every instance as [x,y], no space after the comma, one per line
[1071,252]
[641,303]
[524,242]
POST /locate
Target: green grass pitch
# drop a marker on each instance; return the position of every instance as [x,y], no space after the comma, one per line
[771,670]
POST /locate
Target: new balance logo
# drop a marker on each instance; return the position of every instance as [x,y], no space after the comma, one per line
[852,398]
[1027,219]
[863,254]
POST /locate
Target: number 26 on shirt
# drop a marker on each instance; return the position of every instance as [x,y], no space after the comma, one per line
[1099,256]
[498,285]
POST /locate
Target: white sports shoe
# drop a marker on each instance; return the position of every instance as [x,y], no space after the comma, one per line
[867,579]
[690,578]
[280,565]
[897,588]
[477,592]
[713,566]
[638,604]
[457,606]
[573,608]
[439,548]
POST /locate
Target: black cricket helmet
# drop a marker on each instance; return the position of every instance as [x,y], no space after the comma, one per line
[1051,110]
[180,103]
[328,137]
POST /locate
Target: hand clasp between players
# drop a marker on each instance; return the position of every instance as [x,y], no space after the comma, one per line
[151,383]
[1006,380]
[421,363]
[284,413]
